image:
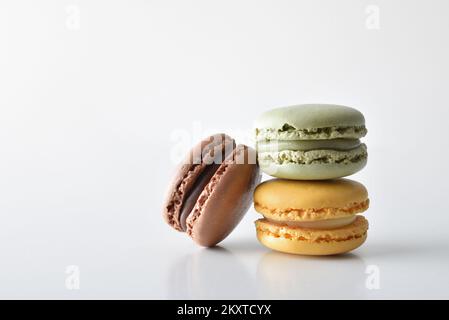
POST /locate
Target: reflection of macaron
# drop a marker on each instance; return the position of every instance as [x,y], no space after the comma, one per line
[212,189]
[311,142]
[278,277]
[311,217]
[197,276]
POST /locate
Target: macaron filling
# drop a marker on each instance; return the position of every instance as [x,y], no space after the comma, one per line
[288,132]
[211,166]
[320,224]
[314,156]
[195,192]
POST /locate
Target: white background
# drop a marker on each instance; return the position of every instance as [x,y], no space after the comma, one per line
[94,96]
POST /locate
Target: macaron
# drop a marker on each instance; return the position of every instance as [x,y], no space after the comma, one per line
[311,217]
[212,189]
[311,141]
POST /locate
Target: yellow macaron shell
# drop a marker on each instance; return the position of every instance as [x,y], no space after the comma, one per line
[311,241]
[311,217]
[289,200]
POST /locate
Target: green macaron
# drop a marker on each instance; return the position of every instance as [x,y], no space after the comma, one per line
[311,141]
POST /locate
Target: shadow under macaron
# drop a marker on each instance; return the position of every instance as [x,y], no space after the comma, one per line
[210,273]
[289,276]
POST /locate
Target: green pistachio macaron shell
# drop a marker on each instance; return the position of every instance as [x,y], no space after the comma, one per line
[304,145]
[310,116]
[311,142]
[312,171]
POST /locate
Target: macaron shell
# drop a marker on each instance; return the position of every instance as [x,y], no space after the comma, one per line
[311,141]
[310,241]
[183,181]
[312,171]
[310,116]
[304,145]
[311,249]
[188,171]
[291,200]
[225,199]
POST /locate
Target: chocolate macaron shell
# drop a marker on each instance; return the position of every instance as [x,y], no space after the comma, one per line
[225,199]
[215,147]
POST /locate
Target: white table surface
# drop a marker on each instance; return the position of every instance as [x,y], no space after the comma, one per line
[94,111]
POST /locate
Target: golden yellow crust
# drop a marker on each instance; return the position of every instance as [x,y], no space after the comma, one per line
[312,241]
[284,195]
[311,214]
[310,248]
[355,229]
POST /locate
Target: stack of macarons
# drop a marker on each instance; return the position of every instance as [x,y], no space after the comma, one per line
[308,209]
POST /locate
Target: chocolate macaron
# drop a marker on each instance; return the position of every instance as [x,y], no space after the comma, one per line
[212,189]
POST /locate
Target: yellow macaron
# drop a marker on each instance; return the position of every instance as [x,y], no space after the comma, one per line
[311,217]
